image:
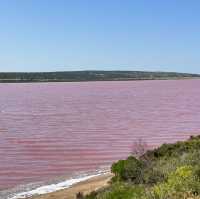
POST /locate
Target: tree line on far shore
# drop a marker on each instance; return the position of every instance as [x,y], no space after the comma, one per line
[71,76]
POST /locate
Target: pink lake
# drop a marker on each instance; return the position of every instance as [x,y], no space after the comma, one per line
[54,129]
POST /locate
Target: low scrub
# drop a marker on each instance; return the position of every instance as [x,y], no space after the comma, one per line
[179,183]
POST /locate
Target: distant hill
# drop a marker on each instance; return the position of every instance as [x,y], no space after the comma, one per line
[76,76]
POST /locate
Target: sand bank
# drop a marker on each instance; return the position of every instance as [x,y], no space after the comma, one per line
[85,187]
[65,189]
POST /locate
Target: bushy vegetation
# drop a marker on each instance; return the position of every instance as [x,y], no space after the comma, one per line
[171,171]
[128,170]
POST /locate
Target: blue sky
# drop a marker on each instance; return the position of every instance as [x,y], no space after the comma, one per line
[56,35]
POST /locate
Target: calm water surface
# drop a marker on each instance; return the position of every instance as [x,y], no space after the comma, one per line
[53,129]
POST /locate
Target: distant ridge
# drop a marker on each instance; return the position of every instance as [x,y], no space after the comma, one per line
[77,76]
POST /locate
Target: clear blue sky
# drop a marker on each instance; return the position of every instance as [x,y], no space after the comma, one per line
[54,35]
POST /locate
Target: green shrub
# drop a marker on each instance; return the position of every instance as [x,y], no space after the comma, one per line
[128,170]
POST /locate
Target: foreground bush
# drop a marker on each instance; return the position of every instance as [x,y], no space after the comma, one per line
[184,180]
[181,181]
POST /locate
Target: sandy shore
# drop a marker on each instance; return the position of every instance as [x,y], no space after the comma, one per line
[84,187]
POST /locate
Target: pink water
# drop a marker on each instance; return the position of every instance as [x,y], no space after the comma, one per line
[53,129]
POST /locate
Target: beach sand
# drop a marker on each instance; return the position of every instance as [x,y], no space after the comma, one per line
[85,187]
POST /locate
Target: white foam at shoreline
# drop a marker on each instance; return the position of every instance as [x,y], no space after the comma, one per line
[54,187]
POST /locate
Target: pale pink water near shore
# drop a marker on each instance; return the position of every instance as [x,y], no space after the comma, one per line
[55,129]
